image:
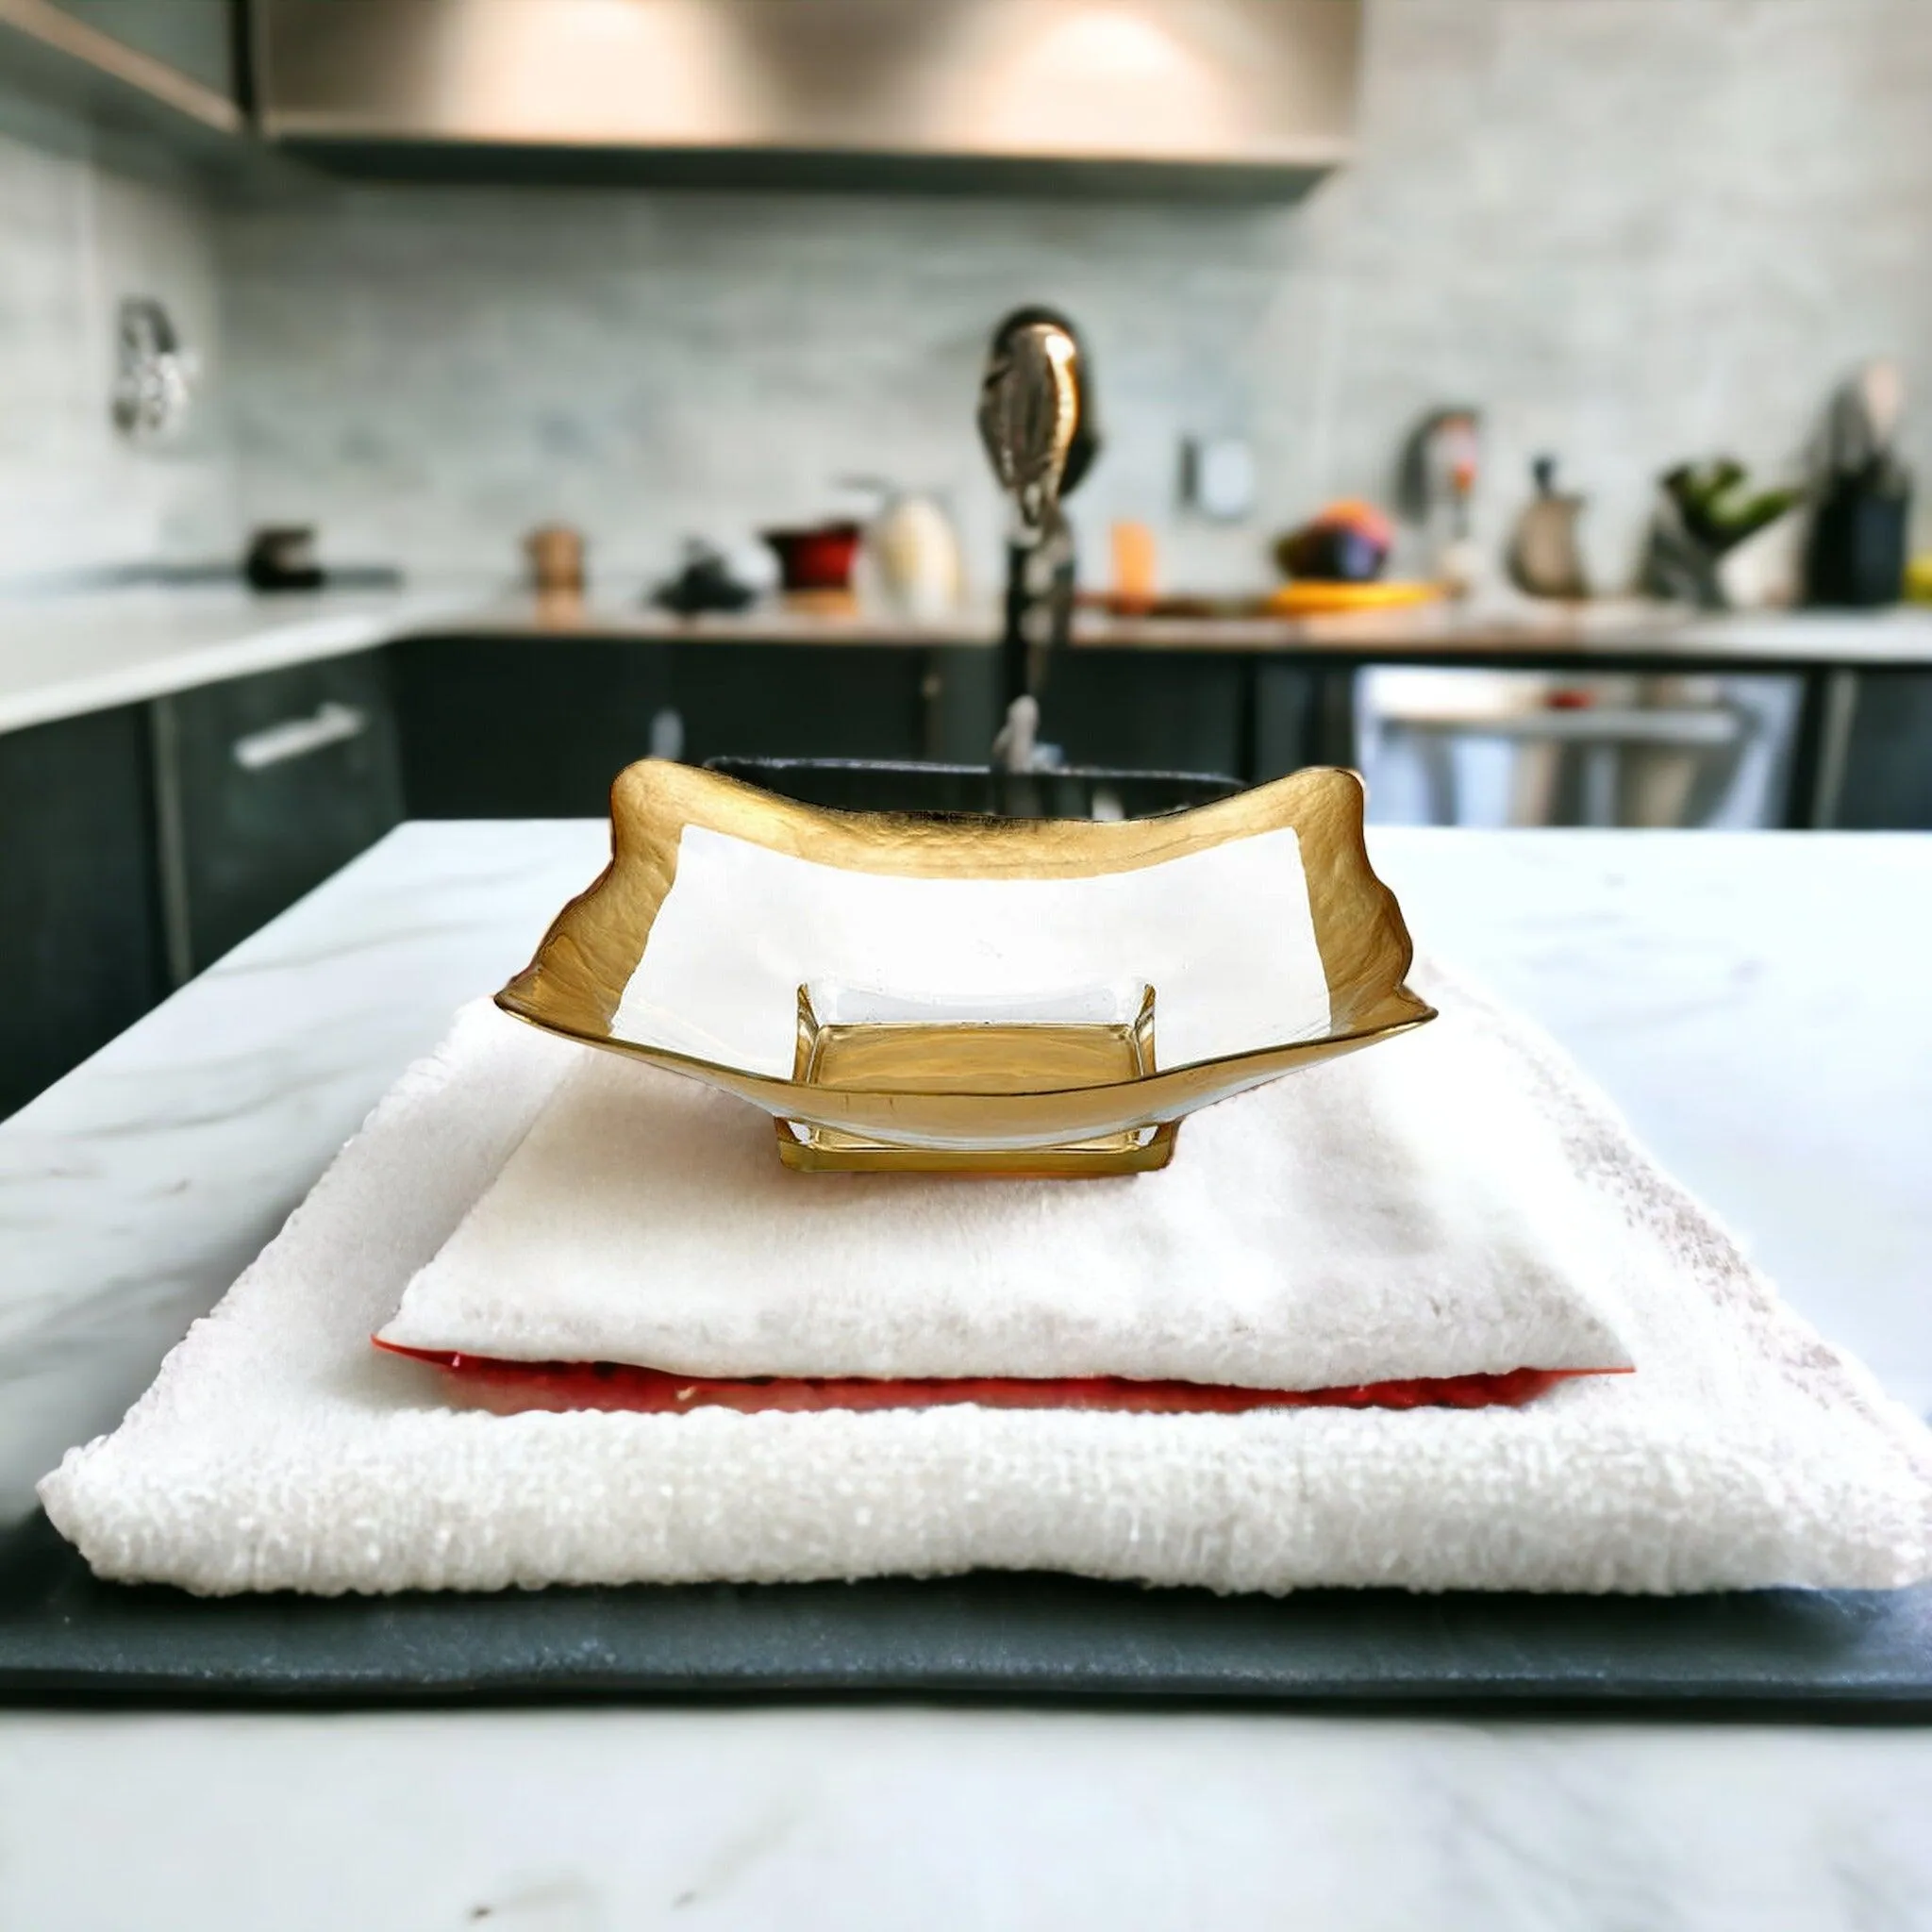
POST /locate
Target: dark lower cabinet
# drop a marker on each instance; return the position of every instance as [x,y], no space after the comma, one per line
[799,701]
[1148,710]
[512,727]
[1887,778]
[81,931]
[515,729]
[1303,715]
[265,786]
[139,846]
[963,690]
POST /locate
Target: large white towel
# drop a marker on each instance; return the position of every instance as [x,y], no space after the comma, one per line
[277,1450]
[1397,1214]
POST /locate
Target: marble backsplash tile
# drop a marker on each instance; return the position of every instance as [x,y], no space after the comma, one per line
[1630,232]
[432,372]
[84,224]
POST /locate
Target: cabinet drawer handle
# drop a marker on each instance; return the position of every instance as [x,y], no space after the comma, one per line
[296,738]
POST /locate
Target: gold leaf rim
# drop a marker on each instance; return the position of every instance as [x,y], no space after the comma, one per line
[574,984]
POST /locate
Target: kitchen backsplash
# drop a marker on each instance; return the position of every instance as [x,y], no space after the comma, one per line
[1628,232]
[83,224]
[438,371]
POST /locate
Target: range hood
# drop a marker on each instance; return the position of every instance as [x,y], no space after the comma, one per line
[1212,95]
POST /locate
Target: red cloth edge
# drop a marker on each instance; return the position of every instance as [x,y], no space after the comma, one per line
[515,1388]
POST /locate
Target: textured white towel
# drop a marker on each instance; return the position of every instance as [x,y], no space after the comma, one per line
[277,1449]
[1397,1214]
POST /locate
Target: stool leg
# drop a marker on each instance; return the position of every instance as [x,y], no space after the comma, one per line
[1600,785]
[1436,751]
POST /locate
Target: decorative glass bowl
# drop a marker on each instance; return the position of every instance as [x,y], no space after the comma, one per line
[971,994]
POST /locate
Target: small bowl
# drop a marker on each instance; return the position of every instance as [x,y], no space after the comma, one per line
[820,558]
[976,995]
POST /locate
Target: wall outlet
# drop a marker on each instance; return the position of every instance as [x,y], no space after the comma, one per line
[1218,477]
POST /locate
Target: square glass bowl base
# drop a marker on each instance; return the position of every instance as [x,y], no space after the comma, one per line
[981,1056]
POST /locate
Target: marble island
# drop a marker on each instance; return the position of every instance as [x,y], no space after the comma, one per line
[1734,993]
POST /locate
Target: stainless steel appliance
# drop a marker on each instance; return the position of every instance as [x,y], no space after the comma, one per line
[1209,91]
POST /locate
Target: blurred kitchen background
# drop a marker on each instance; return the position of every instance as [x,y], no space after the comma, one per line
[1518,398]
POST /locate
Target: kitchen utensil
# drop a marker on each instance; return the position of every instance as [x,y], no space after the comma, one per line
[1765,572]
[1318,599]
[1861,420]
[1859,531]
[914,552]
[1310,597]
[1348,541]
[705,581]
[1544,557]
[995,986]
[816,557]
[1436,479]
[1134,568]
[555,553]
[1861,526]
[281,557]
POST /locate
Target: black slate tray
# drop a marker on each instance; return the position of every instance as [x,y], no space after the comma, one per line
[1861,1656]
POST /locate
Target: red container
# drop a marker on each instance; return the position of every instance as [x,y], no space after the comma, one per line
[819,558]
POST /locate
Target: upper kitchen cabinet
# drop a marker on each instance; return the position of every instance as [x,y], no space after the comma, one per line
[1212,96]
[170,66]
[194,38]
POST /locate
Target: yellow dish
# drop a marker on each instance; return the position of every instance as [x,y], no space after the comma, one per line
[1309,598]
[976,995]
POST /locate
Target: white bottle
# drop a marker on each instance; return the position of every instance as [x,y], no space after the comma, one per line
[915,556]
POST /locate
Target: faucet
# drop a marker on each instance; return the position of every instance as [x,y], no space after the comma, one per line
[1036,421]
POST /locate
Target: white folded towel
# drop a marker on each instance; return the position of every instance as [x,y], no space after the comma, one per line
[1397,1214]
[277,1449]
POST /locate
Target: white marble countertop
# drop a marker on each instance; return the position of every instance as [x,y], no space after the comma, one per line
[68,653]
[1739,994]
[62,654]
